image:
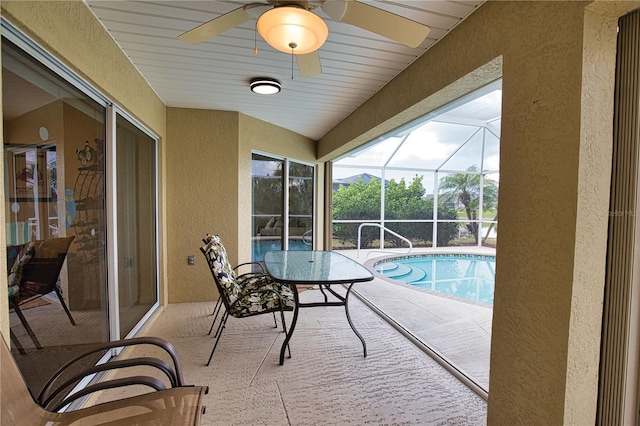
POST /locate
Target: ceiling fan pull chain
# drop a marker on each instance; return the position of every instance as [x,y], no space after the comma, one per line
[292,45]
[255,39]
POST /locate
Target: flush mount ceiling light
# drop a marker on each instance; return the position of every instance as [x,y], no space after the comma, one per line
[292,29]
[265,86]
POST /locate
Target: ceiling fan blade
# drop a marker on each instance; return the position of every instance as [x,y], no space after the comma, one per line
[370,18]
[215,26]
[309,64]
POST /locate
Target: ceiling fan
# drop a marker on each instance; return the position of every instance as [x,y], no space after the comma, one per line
[291,27]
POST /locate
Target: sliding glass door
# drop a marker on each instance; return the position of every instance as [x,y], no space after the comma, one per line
[81,212]
[136,206]
[300,202]
[54,141]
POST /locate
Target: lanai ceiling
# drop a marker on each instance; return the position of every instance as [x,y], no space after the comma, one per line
[216,74]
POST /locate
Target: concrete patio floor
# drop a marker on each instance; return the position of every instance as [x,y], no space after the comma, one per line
[326,382]
[458,331]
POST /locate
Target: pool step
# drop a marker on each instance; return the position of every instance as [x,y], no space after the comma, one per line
[401,272]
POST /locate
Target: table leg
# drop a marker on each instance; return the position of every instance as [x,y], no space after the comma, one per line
[292,326]
[346,308]
[323,293]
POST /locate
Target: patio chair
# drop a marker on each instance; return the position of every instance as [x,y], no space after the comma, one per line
[35,268]
[245,295]
[178,404]
[241,278]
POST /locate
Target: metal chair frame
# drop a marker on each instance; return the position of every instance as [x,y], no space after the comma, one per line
[228,304]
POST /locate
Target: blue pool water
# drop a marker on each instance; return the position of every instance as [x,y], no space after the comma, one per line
[469,277]
[261,247]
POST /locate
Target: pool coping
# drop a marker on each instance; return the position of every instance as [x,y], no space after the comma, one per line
[370,265]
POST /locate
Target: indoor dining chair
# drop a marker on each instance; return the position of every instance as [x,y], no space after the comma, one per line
[243,295]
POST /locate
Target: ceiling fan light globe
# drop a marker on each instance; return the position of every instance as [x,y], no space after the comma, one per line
[285,26]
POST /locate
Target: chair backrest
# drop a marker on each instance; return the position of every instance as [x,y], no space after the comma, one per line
[221,269]
[40,273]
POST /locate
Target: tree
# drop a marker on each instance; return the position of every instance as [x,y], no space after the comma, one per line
[361,202]
[358,201]
[464,188]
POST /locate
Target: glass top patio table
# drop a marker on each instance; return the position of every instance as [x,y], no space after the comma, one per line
[315,267]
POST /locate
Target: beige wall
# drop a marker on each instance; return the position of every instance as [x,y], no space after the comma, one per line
[209,188]
[202,170]
[557,62]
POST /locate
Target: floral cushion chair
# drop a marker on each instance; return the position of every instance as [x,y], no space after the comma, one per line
[247,279]
[243,295]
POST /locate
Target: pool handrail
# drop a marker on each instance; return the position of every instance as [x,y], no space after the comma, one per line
[382,242]
[305,235]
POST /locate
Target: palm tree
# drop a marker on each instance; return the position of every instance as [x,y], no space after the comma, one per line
[464,188]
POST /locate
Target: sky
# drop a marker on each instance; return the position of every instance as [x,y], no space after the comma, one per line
[451,140]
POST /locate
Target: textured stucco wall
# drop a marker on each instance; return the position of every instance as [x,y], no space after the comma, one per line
[202,196]
[209,188]
[556,59]
[594,176]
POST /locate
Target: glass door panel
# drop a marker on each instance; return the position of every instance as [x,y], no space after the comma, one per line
[137,255]
[268,205]
[54,188]
[301,184]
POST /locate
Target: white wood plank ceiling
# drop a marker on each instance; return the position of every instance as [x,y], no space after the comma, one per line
[216,74]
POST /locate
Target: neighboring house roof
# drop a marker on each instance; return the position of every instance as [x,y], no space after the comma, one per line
[366,178]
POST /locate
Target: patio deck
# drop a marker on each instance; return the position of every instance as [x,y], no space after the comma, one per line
[457,331]
[327,381]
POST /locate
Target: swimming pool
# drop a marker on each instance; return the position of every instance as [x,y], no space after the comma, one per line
[261,247]
[466,276]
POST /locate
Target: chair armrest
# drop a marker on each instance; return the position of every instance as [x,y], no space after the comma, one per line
[109,384]
[48,394]
[250,263]
[155,341]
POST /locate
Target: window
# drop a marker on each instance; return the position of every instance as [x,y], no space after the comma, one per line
[281,220]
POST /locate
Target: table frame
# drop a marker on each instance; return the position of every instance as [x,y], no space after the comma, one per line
[324,284]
